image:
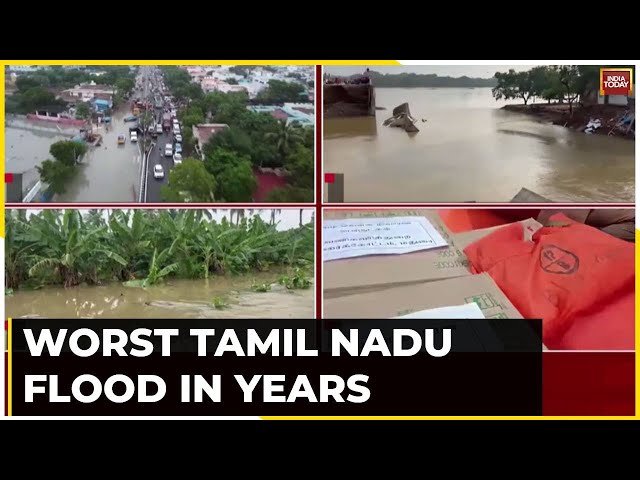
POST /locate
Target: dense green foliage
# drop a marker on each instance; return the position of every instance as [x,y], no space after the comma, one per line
[279,92]
[140,247]
[252,139]
[58,172]
[35,90]
[559,83]
[416,80]
[83,111]
[189,182]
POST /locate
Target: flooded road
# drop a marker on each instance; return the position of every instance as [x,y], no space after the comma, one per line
[111,172]
[173,299]
[470,150]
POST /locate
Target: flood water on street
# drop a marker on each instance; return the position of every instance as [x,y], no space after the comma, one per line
[468,149]
[173,299]
[110,172]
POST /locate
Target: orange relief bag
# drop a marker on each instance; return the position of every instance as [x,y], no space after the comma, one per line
[567,269]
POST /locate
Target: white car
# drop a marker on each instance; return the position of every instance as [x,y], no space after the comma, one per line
[134,137]
[159,128]
[158,171]
[168,150]
[177,158]
[178,138]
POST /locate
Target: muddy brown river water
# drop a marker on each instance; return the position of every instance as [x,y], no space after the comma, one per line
[468,149]
[173,299]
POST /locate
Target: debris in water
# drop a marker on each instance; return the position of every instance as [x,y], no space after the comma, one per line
[402,119]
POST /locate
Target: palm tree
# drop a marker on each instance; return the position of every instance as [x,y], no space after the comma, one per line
[286,137]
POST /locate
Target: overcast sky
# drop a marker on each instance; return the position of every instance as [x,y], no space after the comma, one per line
[478,71]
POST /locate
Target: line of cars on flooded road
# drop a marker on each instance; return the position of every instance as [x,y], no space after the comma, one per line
[172,149]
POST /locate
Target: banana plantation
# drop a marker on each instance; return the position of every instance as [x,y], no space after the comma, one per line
[140,248]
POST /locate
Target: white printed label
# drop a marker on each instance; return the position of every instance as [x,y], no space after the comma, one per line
[357,237]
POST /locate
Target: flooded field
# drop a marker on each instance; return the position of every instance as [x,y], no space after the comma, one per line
[173,299]
[468,149]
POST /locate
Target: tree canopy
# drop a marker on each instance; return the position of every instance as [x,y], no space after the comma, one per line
[561,83]
[189,182]
[279,91]
[252,140]
[140,247]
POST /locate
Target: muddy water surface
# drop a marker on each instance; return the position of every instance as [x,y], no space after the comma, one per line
[173,299]
[468,149]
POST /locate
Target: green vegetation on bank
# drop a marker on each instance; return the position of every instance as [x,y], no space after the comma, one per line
[141,247]
[252,140]
[416,80]
[554,83]
[58,172]
[38,90]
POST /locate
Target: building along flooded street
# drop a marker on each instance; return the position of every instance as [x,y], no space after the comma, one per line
[110,172]
[468,149]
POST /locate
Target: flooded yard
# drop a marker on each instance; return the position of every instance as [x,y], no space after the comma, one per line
[173,299]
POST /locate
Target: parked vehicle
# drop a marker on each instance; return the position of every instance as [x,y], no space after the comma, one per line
[176,129]
[159,128]
[131,118]
[168,150]
[178,148]
[177,158]
[158,171]
[178,138]
[134,136]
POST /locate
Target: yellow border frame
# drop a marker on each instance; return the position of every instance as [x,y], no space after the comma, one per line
[630,70]
[3,63]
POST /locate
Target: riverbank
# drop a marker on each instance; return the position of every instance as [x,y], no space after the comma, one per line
[610,117]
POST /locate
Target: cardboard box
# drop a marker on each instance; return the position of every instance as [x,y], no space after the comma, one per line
[370,273]
[402,300]
[464,239]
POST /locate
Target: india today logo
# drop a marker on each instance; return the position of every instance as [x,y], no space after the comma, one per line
[616,81]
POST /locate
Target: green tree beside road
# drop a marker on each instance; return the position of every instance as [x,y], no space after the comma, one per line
[189,182]
[83,111]
[56,175]
[58,172]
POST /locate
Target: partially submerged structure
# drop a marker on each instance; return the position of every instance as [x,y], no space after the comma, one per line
[349,97]
[402,119]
